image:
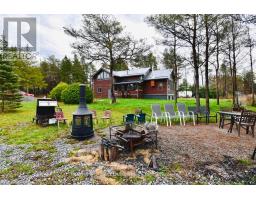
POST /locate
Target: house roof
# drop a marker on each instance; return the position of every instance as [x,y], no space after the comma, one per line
[147,72]
[132,72]
[159,74]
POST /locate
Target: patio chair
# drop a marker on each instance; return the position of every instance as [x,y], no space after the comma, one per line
[59,116]
[171,114]
[246,121]
[141,118]
[184,114]
[129,118]
[158,114]
[193,109]
[203,113]
[107,116]
[138,111]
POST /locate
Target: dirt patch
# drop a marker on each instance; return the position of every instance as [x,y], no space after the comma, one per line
[84,156]
[125,170]
[203,143]
[103,179]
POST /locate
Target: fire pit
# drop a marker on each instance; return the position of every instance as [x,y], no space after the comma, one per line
[82,126]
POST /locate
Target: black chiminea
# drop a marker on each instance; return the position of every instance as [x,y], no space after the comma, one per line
[82,126]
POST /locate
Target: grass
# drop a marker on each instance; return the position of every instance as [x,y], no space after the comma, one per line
[245,162]
[15,170]
[17,127]
[149,178]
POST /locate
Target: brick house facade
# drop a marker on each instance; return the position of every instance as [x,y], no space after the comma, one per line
[134,83]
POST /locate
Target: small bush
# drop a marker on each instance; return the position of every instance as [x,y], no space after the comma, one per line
[57,90]
[71,94]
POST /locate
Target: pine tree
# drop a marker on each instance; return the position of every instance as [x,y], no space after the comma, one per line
[65,70]
[78,74]
[10,97]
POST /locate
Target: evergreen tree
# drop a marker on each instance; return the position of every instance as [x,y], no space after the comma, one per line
[148,60]
[51,72]
[10,97]
[78,74]
[121,65]
[65,70]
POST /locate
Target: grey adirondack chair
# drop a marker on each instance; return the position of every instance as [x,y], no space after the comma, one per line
[184,114]
[171,114]
[158,114]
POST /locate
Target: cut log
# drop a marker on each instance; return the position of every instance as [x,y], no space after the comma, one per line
[254,153]
[102,152]
[153,163]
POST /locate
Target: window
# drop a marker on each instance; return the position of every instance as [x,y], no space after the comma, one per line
[99,90]
[152,83]
[160,85]
[131,86]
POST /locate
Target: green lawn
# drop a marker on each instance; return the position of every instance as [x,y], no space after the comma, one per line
[17,127]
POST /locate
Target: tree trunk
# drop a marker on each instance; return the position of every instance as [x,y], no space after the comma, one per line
[2,107]
[234,63]
[225,83]
[218,65]
[195,62]
[252,81]
[217,87]
[206,62]
[230,65]
[112,64]
[175,81]
[251,62]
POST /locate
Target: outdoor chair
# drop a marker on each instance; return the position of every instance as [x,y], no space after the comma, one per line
[129,118]
[138,111]
[59,116]
[193,109]
[141,118]
[246,121]
[94,115]
[158,114]
[171,114]
[184,114]
[204,114]
[107,116]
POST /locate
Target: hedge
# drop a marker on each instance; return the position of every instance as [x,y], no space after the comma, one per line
[57,90]
[71,94]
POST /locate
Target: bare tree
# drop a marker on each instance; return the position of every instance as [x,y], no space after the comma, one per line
[102,38]
[250,44]
[185,29]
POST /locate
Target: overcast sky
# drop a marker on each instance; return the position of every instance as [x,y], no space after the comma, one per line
[53,41]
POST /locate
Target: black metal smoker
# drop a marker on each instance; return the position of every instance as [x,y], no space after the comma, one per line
[45,111]
[82,125]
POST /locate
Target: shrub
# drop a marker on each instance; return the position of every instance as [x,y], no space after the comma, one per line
[71,94]
[57,90]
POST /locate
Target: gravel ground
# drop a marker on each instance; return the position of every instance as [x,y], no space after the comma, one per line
[202,154]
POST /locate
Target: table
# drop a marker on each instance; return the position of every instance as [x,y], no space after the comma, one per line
[224,115]
[131,137]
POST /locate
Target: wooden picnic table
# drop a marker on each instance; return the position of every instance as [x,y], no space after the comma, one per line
[228,115]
